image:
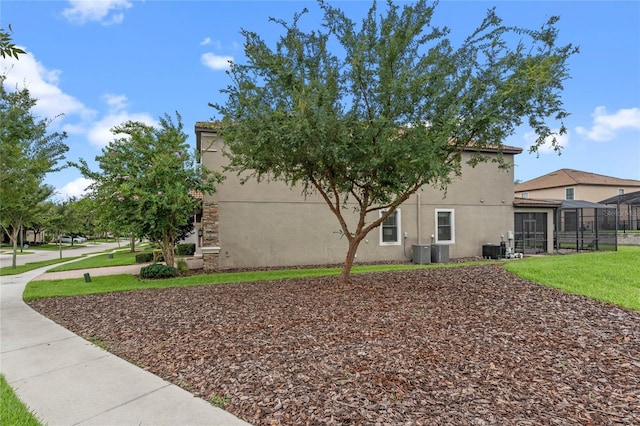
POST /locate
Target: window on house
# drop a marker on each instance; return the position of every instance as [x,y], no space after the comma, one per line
[445,226]
[620,191]
[525,195]
[390,229]
[569,193]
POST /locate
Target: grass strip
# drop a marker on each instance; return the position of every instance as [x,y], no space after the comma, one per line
[8,270]
[12,410]
[127,282]
[612,277]
[99,261]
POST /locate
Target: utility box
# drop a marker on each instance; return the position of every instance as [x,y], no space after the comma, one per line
[439,253]
[491,251]
[421,254]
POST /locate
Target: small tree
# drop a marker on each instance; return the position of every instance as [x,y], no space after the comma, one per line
[393,112]
[58,221]
[147,180]
[27,153]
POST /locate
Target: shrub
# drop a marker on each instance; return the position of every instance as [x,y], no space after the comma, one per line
[182,265]
[144,257]
[158,270]
[158,256]
[185,249]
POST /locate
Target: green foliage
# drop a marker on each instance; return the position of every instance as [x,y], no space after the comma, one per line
[12,410]
[7,47]
[158,256]
[144,257]
[608,276]
[392,113]
[146,181]
[185,249]
[158,270]
[182,266]
[219,401]
[27,153]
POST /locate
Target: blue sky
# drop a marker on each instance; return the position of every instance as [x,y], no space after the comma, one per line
[101,63]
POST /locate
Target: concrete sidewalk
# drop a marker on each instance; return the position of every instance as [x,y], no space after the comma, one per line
[66,380]
[194,263]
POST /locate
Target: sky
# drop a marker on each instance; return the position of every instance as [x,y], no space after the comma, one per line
[96,64]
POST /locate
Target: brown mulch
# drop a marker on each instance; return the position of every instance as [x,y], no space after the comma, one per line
[466,346]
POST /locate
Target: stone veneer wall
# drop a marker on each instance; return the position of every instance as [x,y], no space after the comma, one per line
[210,240]
[628,239]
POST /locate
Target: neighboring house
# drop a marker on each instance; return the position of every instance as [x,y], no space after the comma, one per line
[569,184]
[269,224]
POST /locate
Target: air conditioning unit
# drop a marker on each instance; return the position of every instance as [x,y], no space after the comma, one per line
[421,254]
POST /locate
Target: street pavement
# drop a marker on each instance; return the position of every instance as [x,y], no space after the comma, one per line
[66,380]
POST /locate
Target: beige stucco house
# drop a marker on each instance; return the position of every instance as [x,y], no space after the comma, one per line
[566,185]
[569,184]
[269,224]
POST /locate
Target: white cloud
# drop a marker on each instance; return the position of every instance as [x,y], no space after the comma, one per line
[74,117]
[216,62]
[43,86]
[100,132]
[605,126]
[76,188]
[115,102]
[216,44]
[107,12]
[547,147]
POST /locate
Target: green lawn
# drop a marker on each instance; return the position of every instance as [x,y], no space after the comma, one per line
[118,258]
[12,410]
[125,282]
[612,277]
[8,270]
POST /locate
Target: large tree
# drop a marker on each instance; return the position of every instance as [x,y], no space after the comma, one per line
[147,181]
[391,110]
[28,151]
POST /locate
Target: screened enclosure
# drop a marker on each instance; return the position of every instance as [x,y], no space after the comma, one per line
[530,233]
[628,207]
[583,225]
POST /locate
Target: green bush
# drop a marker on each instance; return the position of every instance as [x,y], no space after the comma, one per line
[144,257]
[185,249]
[182,265]
[158,256]
[158,270]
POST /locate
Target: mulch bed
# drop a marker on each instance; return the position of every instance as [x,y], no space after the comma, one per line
[465,346]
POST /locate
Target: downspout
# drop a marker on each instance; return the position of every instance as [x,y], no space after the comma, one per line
[419,218]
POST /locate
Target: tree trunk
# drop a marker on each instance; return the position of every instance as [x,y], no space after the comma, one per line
[351,256]
[167,250]
[14,258]
[133,243]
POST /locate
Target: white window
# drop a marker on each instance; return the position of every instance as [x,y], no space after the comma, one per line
[620,191]
[525,195]
[445,226]
[569,193]
[390,229]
